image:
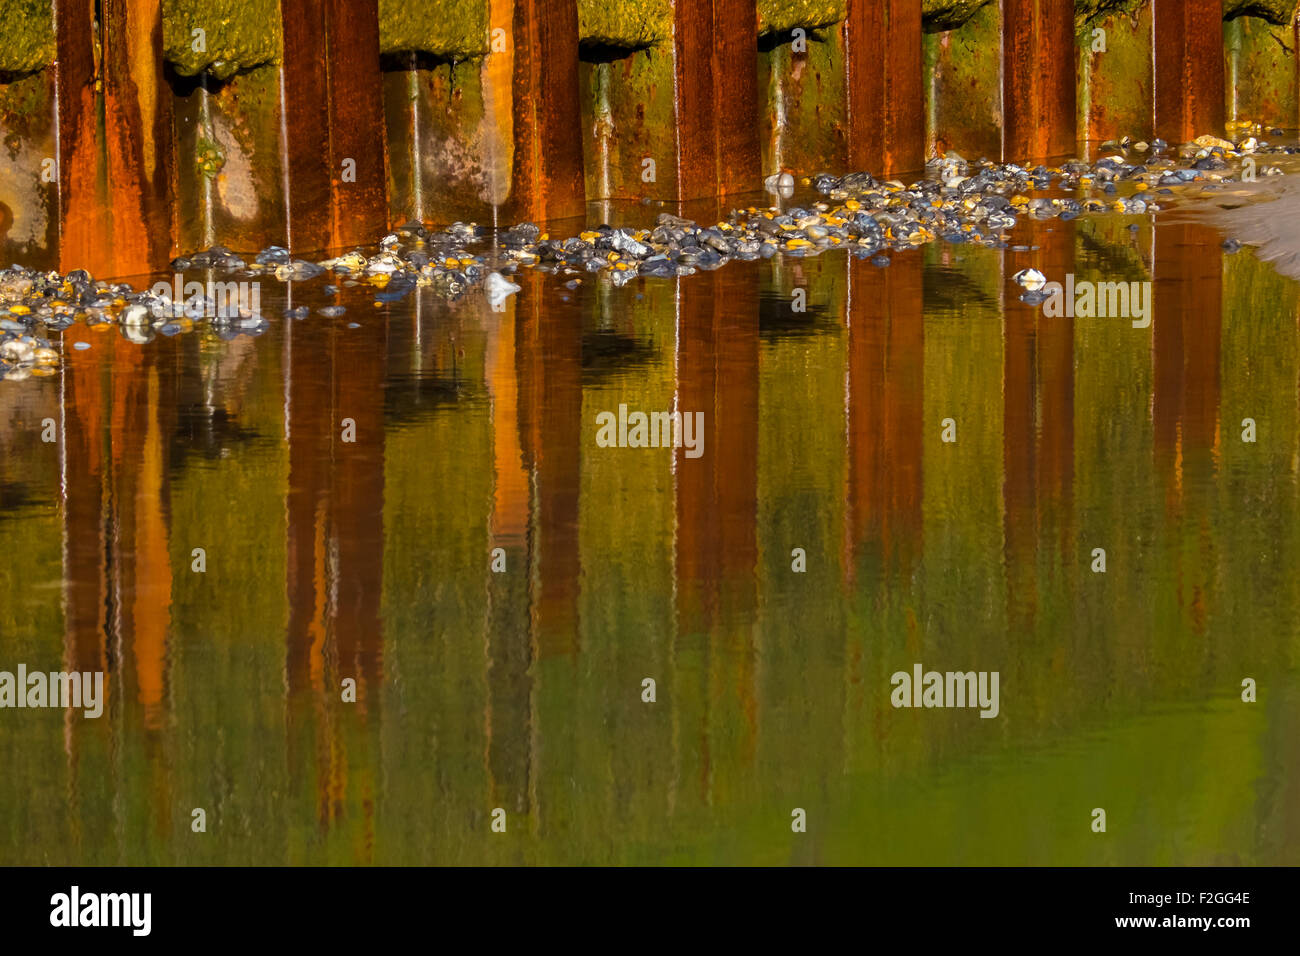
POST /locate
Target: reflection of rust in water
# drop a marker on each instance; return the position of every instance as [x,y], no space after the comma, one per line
[884,381]
[722,538]
[1038,425]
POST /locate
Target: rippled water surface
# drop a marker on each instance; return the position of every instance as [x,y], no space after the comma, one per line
[371,560]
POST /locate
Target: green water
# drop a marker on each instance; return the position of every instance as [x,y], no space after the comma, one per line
[370,560]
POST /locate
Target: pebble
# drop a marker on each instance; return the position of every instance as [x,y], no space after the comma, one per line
[1031,279]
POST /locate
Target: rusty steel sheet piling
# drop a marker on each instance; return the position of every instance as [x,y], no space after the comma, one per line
[718,151]
[485,127]
[337,174]
[223,66]
[1002,84]
[137,134]
[342,118]
[627,89]
[1189,69]
[547,173]
[884,102]
[114,137]
[1038,79]
[83,208]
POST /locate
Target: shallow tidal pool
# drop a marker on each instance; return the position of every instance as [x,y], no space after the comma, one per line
[360,581]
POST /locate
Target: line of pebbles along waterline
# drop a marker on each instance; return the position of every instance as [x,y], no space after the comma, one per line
[958,201]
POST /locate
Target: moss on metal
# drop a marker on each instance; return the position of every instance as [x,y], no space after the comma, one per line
[1274,11]
[448,29]
[1085,11]
[780,16]
[237,35]
[940,15]
[627,24]
[27,42]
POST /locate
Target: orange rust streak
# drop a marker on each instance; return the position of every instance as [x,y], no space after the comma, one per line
[1038,79]
[883,62]
[511,493]
[1189,68]
[151,602]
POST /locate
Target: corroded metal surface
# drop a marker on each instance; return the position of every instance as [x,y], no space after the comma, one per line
[883,89]
[493,110]
[1038,79]
[718,148]
[116,174]
[546,176]
[336,157]
[1189,80]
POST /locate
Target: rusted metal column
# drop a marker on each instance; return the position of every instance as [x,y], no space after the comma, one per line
[717,97]
[885,104]
[114,190]
[83,215]
[1038,81]
[357,120]
[1189,70]
[306,123]
[334,123]
[138,133]
[547,181]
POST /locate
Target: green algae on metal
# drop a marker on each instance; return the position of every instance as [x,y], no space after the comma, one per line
[940,15]
[1274,11]
[237,35]
[624,24]
[1086,11]
[781,16]
[448,29]
[28,36]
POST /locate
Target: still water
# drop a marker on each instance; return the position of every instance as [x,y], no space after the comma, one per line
[371,560]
